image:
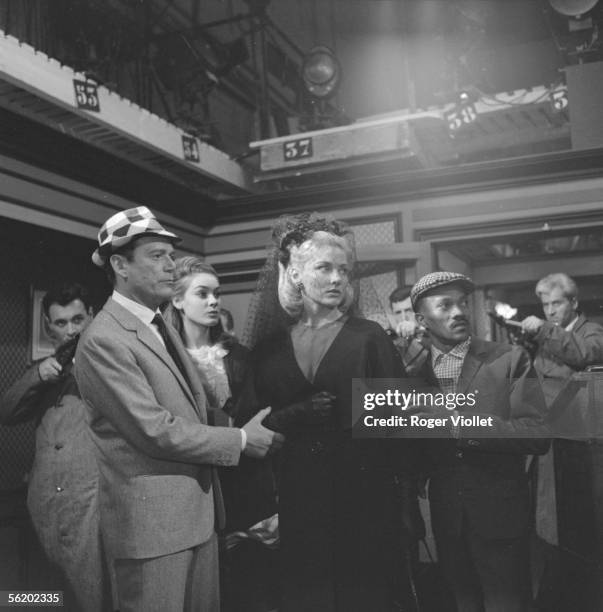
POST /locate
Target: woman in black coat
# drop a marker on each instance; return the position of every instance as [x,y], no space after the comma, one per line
[340,520]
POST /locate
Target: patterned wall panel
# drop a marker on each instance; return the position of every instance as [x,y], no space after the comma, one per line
[383,283]
[377,232]
[382,278]
[16,443]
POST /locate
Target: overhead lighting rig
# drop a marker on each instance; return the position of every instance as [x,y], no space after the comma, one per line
[575,27]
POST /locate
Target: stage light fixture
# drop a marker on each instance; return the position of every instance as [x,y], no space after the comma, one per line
[573,8]
[257,7]
[321,72]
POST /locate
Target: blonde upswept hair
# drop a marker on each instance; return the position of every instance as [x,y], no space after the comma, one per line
[289,293]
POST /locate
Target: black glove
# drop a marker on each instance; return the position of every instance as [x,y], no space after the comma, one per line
[315,410]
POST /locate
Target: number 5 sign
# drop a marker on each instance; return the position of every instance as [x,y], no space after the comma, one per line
[190,148]
[86,95]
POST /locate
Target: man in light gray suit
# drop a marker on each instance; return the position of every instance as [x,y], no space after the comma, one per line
[159,494]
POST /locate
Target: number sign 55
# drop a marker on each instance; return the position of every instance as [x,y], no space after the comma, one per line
[86,95]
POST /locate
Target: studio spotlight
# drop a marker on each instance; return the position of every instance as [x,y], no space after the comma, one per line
[235,53]
[573,8]
[257,7]
[321,72]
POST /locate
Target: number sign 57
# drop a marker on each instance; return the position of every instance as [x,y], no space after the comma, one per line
[297,149]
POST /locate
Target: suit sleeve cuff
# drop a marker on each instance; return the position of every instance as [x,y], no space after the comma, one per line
[243,439]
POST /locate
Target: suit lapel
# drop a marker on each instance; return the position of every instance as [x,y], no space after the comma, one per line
[579,323]
[148,338]
[471,365]
[194,383]
[430,376]
[144,334]
[546,363]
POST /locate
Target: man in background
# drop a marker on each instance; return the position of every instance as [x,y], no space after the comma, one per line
[566,343]
[62,494]
[409,337]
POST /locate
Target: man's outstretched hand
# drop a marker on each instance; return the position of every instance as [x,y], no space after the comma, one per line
[260,439]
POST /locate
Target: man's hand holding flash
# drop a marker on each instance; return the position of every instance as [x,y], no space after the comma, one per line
[531,325]
[406,329]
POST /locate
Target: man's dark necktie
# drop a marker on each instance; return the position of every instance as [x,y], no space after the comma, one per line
[159,323]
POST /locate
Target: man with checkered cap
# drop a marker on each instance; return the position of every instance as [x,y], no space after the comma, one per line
[159,494]
[478,489]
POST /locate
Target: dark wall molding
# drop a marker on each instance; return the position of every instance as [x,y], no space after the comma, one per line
[420,184]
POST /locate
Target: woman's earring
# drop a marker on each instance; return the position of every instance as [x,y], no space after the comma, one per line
[300,286]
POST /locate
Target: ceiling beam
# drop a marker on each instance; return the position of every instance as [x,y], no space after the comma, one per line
[36,75]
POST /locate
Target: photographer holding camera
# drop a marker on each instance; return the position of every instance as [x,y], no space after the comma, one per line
[566,343]
[62,492]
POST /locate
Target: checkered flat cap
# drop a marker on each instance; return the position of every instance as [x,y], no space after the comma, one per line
[122,227]
[438,279]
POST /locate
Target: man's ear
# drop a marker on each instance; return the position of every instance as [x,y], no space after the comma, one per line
[420,319]
[574,303]
[47,328]
[118,263]
[294,275]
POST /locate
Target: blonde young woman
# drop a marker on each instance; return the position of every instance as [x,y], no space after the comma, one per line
[337,500]
[248,489]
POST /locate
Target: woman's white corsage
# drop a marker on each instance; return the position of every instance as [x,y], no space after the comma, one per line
[209,360]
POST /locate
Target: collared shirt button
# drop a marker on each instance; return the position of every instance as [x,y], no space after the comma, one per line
[459,454]
[473,442]
[59,489]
